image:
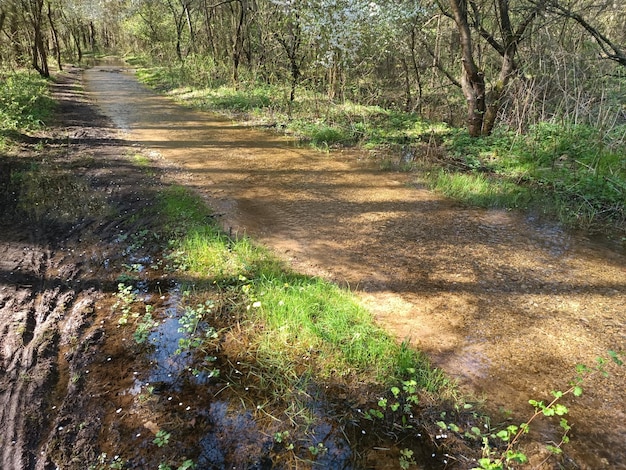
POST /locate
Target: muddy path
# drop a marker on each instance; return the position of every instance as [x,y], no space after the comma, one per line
[505,304]
[78,387]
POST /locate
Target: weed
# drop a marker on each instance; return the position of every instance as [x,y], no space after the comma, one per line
[512,434]
[126,299]
[406,459]
[162,438]
[24,100]
[117,463]
[573,171]
[196,330]
[145,327]
[186,465]
[318,450]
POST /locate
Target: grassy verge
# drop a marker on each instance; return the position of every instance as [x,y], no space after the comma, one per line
[574,173]
[295,339]
[25,103]
[288,316]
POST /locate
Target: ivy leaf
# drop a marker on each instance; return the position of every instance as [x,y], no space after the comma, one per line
[504,435]
[560,409]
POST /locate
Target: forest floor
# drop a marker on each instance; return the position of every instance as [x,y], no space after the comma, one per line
[507,305]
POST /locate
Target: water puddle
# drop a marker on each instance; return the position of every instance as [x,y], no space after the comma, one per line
[505,303]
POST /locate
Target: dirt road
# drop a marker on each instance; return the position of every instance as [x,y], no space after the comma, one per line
[506,305]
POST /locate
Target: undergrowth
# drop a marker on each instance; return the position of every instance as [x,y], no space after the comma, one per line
[574,171]
[25,103]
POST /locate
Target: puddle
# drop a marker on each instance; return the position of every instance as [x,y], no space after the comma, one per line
[539,299]
[234,434]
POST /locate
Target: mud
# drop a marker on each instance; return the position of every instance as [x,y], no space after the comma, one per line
[508,305]
[505,304]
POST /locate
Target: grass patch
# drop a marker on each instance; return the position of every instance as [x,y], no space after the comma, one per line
[576,172]
[296,322]
[481,190]
[25,103]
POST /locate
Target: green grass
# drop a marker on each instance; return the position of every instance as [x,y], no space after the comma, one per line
[25,103]
[576,172]
[481,190]
[295,322]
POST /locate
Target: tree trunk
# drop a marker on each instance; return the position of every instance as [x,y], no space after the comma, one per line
[473,80]
[238,41]
[497,92]
[39,54]
[55,38]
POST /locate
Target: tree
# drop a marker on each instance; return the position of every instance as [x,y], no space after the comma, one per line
[611,50]
[497,30]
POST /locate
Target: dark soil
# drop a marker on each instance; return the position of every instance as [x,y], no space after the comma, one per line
[65,197]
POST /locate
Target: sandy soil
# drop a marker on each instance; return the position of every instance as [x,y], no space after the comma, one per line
[505,304]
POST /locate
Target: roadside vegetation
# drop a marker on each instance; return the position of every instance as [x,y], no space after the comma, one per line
[575,173]
[25,103]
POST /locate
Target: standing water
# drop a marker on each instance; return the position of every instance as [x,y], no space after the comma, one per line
[505,305]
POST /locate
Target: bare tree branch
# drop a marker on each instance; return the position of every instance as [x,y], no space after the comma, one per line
[609,48]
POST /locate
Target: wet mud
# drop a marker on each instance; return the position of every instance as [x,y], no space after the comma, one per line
[506,304]
[503,303]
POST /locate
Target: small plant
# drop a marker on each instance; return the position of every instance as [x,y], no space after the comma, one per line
[117,463]
[283,438]
[162,438]
[187,465]
[191,324]
[319,449]
[406,459]
[404,399]
[126,299]
[145,326]
[493,460]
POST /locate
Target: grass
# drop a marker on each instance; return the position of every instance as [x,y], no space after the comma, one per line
[575,172]
[481,190]
[25,103]
[290,316]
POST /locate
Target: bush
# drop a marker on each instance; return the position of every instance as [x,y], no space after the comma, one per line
[24,101]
